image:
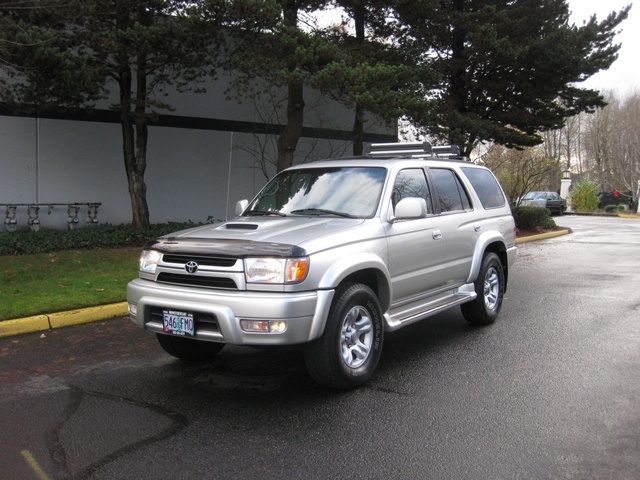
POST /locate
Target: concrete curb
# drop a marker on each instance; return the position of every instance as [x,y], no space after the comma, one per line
[39,323]
[543,236]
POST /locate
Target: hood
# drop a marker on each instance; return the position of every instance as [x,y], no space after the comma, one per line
[294,235]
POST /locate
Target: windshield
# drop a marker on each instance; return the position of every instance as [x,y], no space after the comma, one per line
[535,196]
[345,192]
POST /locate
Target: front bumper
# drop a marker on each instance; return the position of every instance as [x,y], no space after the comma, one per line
[218,313]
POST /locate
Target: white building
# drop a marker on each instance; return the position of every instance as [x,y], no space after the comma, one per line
[201,159]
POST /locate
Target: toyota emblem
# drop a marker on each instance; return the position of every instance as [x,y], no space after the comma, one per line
[191,266]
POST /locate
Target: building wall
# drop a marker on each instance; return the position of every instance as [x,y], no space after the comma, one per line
[201,159]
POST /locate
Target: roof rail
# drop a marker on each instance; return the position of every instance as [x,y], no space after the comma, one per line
[413,149]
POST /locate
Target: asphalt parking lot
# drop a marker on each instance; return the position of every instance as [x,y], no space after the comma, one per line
[551,390]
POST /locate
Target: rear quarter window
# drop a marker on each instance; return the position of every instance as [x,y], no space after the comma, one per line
[486,186]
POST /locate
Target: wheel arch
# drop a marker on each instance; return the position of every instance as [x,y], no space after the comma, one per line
[366,269]
[495,245]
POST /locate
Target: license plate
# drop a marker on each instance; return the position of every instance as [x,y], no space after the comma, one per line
[178,323]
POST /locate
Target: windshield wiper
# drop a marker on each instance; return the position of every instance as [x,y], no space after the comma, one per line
[321,211]
[264,212]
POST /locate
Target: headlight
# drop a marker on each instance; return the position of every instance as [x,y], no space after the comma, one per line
[149,260]
[276,270]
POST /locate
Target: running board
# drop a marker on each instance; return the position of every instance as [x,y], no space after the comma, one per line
[407,317]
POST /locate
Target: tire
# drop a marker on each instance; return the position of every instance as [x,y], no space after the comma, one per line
[347,354]
[489,288]
[188,349]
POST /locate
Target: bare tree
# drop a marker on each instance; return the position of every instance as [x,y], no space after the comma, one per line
[270,110]
[520,171]
[612,143]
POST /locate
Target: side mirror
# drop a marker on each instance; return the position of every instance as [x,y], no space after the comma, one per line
[410,208]
[241,206]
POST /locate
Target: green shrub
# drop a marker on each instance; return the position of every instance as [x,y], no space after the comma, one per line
[100,236]
[530,218]
[610,208]
[584,196]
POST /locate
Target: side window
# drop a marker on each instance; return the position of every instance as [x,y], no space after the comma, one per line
[411,182]
[486,186]
[451,194]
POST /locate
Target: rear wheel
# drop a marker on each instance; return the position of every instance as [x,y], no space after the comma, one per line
[348,352]
[489,287]
[188,349]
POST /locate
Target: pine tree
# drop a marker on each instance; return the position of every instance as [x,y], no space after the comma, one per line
[68,54]
[509,69]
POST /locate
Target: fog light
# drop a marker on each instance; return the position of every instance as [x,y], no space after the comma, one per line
[277,327]
[263,326]
[133,309]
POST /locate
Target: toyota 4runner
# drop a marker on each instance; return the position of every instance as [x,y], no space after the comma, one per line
[332,255]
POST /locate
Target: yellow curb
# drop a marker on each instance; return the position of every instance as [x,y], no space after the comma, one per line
[39,323]
[85,315]
[24,325]
[542,236]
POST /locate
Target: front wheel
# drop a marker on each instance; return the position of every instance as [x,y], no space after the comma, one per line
[187,348]
[348,352]
[489,287]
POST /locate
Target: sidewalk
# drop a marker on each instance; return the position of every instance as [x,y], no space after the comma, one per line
[44,322]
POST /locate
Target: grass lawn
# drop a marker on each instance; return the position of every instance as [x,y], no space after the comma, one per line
[65,280]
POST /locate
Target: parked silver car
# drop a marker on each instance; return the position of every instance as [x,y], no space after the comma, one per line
[552,201]
[331,255]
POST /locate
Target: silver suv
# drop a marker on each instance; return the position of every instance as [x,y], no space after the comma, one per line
[331,255]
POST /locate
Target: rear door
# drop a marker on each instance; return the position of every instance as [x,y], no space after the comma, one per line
[554,202]
[459,226]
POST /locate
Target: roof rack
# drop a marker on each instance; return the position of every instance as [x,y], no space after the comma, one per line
[414,149]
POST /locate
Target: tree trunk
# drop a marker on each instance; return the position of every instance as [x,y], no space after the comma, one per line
[134,144]
[288,140]
[358,130]
[358,123]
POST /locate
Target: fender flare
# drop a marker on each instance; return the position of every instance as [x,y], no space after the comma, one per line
[483,242]
[346,266]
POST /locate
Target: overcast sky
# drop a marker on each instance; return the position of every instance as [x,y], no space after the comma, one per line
[624,74]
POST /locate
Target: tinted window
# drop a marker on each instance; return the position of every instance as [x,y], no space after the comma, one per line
[412,182]
[486,186]
[451,194]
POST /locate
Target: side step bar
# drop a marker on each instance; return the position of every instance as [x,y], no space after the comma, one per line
[407,317]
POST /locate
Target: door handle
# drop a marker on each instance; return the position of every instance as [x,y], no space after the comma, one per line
[437,234]
[477,227]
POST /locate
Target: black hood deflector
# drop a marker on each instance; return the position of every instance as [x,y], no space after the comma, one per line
[226,247]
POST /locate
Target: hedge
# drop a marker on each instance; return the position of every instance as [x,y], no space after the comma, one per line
[530,218]
[100,236]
